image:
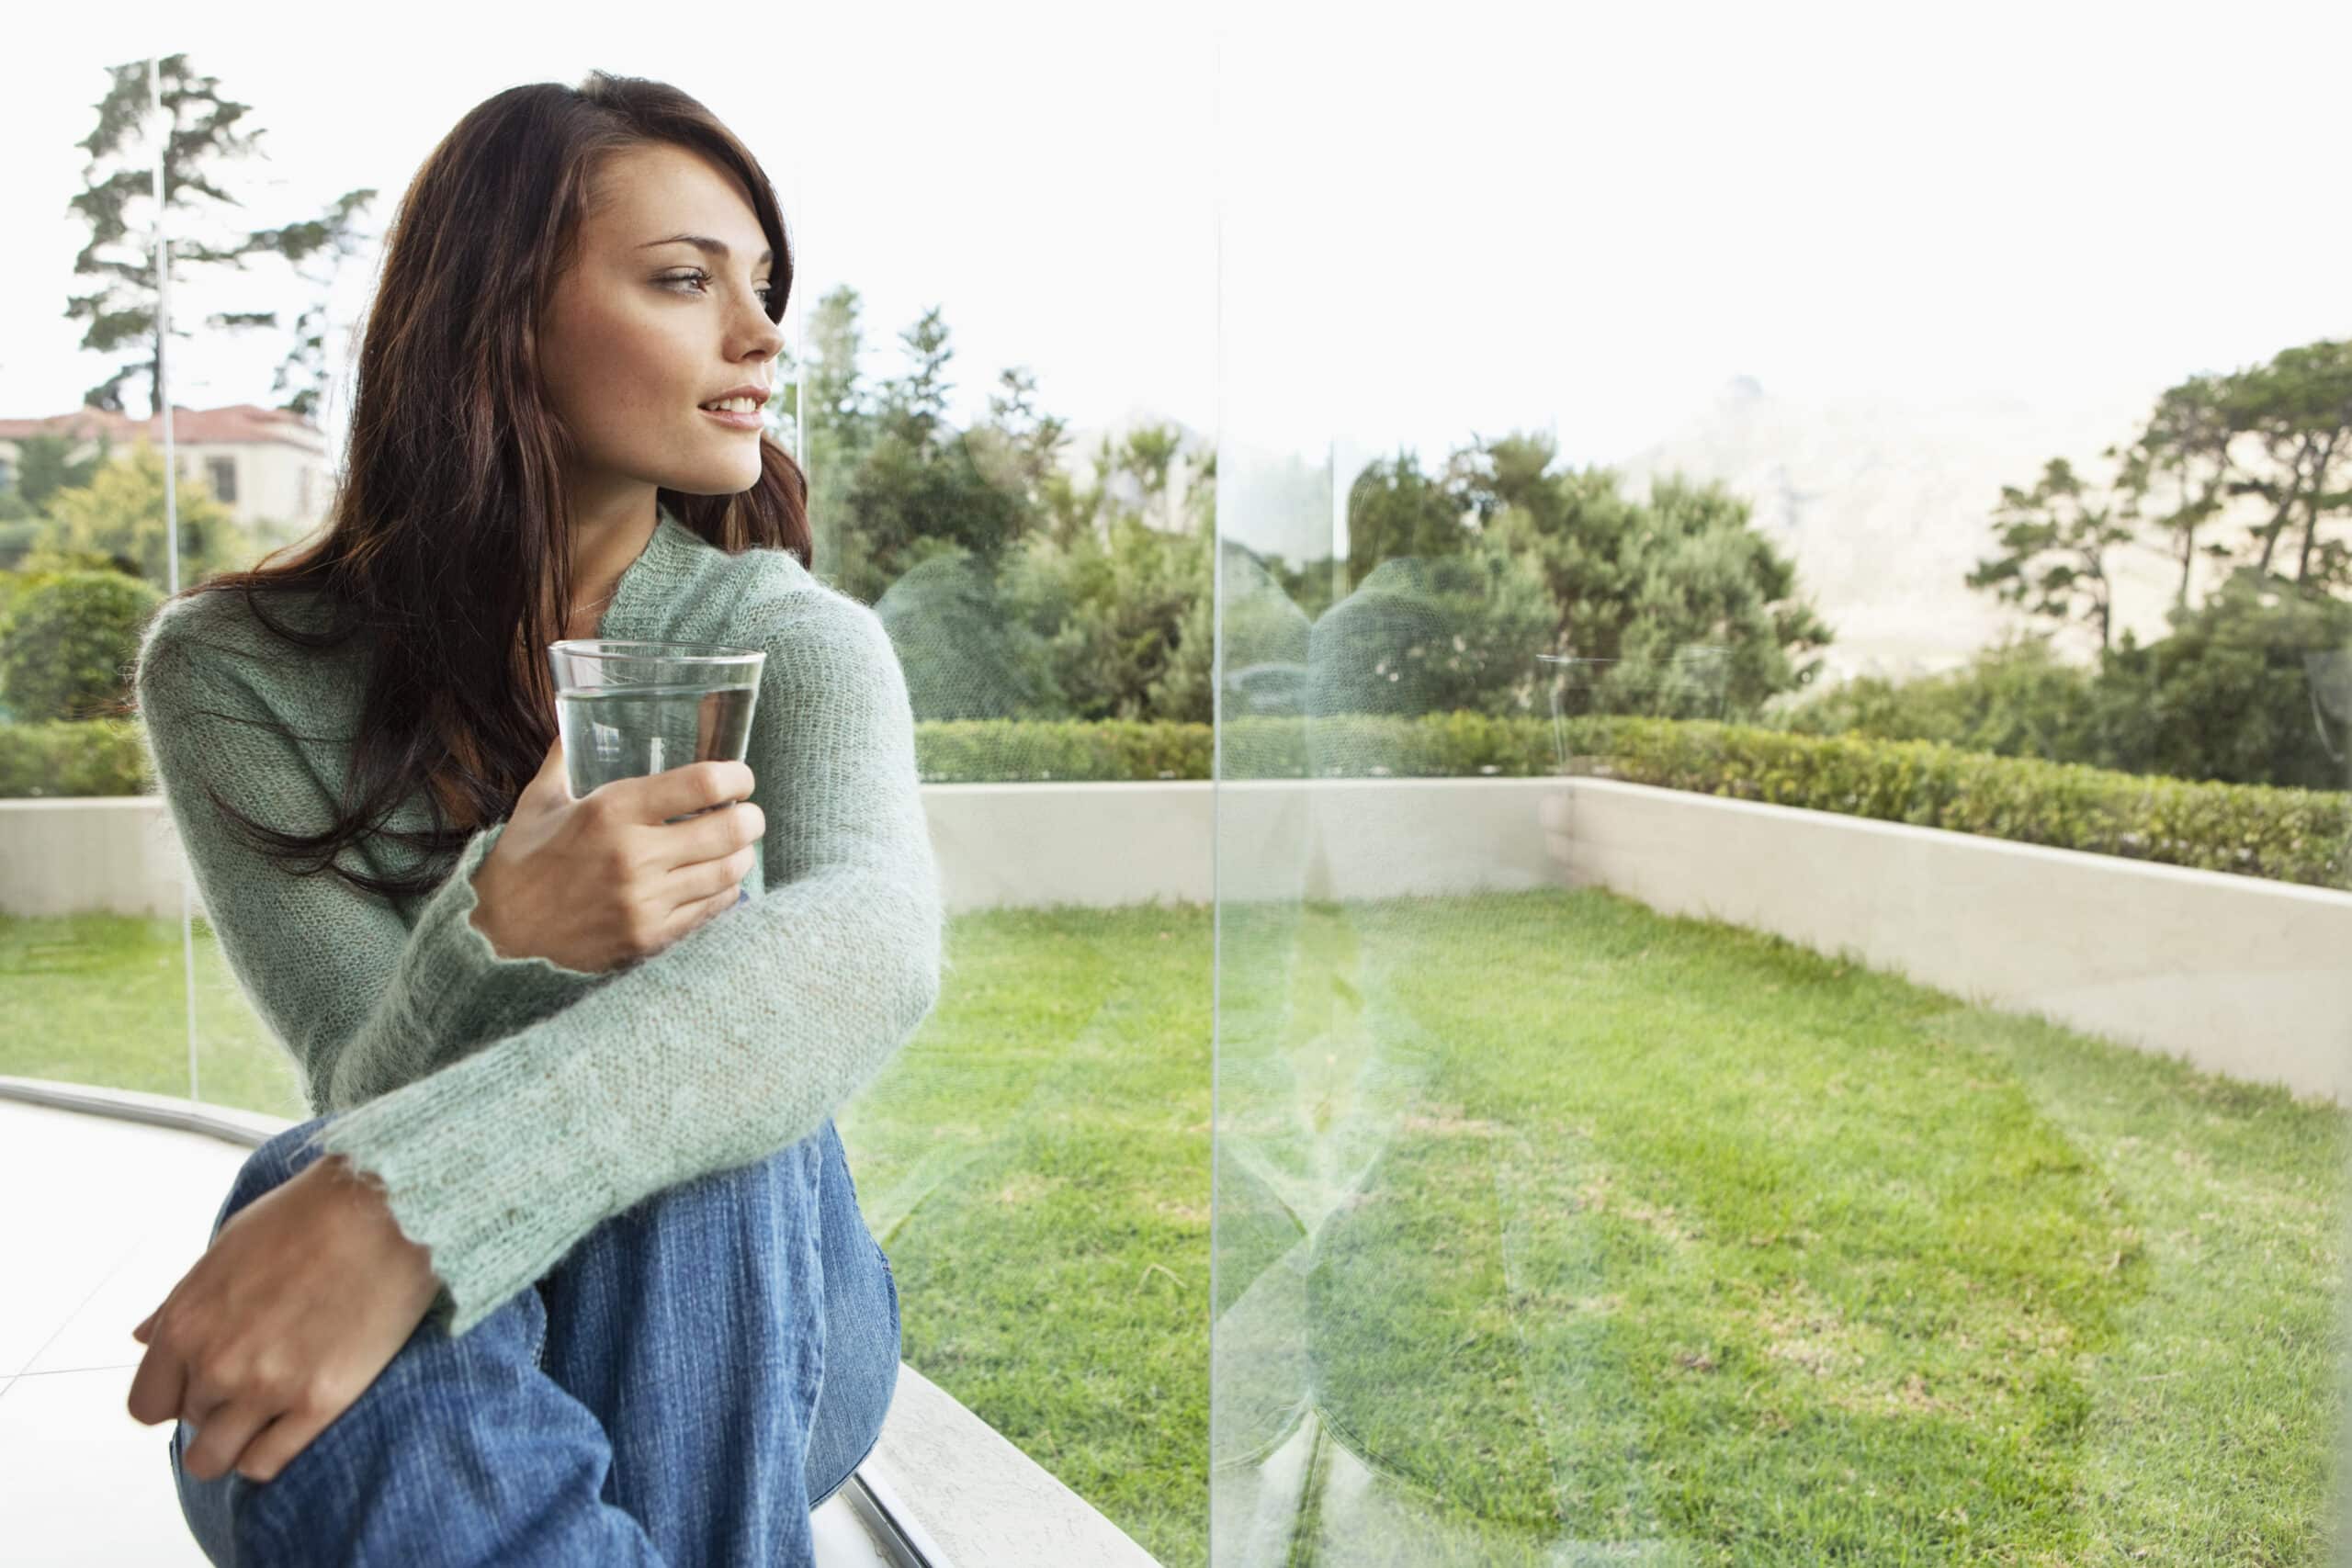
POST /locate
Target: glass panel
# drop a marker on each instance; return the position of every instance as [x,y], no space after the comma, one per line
[1778,961]
[1012,415]
[1024,508]
[93,973]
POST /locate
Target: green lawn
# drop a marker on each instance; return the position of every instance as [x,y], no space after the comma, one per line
[1573,1221]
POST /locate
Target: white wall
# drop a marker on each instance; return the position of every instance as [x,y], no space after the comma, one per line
[2240,976]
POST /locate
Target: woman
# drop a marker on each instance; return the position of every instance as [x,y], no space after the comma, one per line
[568,1267]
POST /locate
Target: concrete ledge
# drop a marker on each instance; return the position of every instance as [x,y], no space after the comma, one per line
[979,1501]
[249,1128]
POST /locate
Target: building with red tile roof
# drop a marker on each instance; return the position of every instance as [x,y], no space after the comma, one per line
[269,467]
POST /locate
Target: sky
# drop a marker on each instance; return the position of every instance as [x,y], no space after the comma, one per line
[1299,226]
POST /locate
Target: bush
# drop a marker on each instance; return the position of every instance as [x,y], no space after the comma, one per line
[989,752]
[60,759]
[2290,835]
[2015,699]
[963,654]
[2231,694]
[69,644]
[1436,635]
[2253,687]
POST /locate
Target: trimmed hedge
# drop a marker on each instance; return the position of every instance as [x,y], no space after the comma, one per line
[67,757]
[2288,835]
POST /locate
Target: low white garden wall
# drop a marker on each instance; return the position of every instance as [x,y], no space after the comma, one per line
[2240,976]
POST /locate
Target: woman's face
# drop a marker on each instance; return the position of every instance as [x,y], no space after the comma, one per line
[645,328]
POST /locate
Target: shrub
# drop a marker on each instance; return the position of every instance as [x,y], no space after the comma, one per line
[69,644]
[93,757]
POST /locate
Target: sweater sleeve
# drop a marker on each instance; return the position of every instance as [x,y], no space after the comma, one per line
[729,1045]
[362,999]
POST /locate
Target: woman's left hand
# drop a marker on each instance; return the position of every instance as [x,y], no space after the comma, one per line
[303,1298]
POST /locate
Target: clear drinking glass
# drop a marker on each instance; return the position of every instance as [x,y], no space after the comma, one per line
[627,709]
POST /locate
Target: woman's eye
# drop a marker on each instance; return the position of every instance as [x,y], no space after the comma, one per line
[762,290]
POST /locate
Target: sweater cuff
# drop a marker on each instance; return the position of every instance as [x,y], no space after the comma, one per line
[464,1174]
[469,990]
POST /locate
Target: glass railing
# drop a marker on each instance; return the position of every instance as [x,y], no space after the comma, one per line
[1739,975]
[1779,995]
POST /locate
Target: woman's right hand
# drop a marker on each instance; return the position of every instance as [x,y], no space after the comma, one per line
[599,883]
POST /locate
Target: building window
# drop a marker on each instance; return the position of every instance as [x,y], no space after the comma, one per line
[222,472]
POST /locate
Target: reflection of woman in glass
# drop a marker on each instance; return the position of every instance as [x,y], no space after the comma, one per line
[568,1268]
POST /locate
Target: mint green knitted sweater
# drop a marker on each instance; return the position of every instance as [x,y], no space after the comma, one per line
[510,1105]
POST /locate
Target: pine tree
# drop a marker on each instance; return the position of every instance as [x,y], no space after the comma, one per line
[200,132]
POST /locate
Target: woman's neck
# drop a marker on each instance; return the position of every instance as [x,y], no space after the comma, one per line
[603,547]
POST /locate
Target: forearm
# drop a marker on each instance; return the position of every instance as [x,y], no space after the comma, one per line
[451,990]
[718,1052]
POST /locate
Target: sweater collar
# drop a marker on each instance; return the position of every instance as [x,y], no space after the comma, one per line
[644,589]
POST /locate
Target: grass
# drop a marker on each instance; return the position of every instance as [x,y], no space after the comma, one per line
[1572,1222]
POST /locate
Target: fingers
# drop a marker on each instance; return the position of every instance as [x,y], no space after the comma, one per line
[158,1385]
[696,786]
[275,1445]
[710,881]
[695,913]
[709,838]
[220,1437]
[718,904]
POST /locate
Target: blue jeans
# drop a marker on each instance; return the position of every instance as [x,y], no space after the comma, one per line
[684,1388]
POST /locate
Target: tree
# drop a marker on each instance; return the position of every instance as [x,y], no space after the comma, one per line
[1024,445]
[2231,694]
[2017,698]
[1266,642]
[1020,449]
[1114,609]
[913,407]
[1442,633]
[2186,440]
[119,515]
[1147,455]
[2054,541]
[1649,589]
[200,132]
[1394,510]
[892,482]
[302,375]
[2298,410]
[45,465]
[830,403]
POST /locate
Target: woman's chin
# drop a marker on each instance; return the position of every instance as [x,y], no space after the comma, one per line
[733,479]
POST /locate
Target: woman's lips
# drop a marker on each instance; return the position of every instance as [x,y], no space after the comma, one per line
[734,421]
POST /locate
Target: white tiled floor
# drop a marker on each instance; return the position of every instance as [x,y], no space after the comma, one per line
[98,1219]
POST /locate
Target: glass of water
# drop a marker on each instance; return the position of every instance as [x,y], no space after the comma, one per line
[629,709]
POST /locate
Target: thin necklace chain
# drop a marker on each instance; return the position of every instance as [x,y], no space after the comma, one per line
[599,603]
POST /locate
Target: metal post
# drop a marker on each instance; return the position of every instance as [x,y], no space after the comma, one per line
[171,502]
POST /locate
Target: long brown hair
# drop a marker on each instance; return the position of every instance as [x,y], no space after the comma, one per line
[452,515]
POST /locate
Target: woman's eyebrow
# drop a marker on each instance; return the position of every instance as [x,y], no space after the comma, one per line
[706,245]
